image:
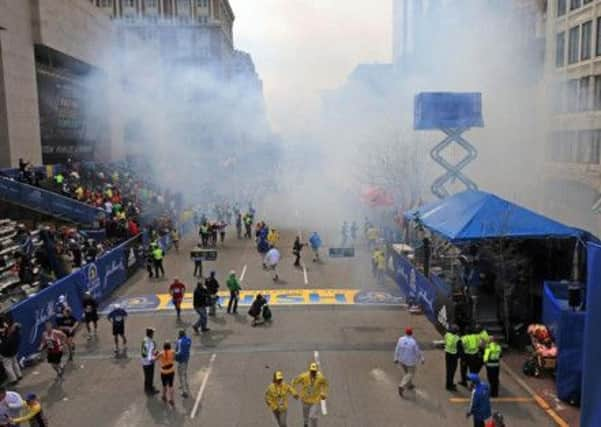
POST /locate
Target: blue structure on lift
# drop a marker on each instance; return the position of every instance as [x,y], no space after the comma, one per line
[453,114]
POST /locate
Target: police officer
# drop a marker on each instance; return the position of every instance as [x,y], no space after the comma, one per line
[452,347]
[470,355]
[157,257]
[492,357]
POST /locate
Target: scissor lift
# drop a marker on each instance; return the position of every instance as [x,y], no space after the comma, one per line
[454,114]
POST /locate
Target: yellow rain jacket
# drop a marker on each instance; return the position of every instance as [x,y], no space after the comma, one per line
[276,396]
[273,237]
[312,390]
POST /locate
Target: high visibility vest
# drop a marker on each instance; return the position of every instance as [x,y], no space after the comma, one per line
[484,337]
[59,178]
[157,254]
[450,342]
[470,343]
[492,354]
[145,350]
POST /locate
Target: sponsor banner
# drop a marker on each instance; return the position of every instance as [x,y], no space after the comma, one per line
[101,277]
[434,296]
[33,312]
[133,254]
[276,297]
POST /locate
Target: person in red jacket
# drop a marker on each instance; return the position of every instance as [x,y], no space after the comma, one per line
[177,290]
[133,228]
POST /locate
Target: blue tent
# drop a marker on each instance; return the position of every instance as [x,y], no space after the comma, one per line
[475,215]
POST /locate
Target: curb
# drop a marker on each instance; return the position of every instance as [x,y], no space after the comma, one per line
[538,399]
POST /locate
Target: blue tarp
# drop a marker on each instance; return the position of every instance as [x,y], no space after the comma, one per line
[46,201]
[590,413]
[475,215]
[567,327]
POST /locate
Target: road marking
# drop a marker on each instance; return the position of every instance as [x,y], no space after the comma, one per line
[243,273]
[324,406]
[539,400]
[495,399]
[305,274]
[203,386]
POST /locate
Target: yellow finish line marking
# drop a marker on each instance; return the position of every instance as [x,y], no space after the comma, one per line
[495,400]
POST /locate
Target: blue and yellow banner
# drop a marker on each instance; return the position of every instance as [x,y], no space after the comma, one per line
[275,297]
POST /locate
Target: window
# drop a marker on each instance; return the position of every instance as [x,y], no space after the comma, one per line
[151,4]
[573,42]
[129,3]
[572,96]
[561,7]
[598,48]
[597,93]
[587,1]
[587,32]
[560,50]
[105,3]
[575,4]
[584,96]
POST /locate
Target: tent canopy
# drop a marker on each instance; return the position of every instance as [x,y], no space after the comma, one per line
[475,215]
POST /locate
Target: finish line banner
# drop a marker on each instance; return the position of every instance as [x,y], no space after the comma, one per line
[275,297]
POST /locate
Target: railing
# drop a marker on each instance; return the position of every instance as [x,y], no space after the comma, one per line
[48,202]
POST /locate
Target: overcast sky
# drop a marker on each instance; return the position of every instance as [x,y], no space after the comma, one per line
[301,47]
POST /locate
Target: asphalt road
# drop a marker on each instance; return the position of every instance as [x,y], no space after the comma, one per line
[354,344]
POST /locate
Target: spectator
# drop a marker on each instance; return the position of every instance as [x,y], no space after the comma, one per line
[9,346]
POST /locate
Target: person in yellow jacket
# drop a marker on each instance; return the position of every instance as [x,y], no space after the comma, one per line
[34,415]
[314,389]
[273,237]
[276,397]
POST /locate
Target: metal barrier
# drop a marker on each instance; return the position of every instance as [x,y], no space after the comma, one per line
[50,203]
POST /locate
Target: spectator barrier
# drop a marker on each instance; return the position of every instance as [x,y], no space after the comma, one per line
[46,201]
[101,278]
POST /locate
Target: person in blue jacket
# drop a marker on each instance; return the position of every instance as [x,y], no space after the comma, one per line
[182,356]
[315,243]
[479,407]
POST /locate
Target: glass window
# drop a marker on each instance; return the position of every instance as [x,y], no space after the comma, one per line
[572,96]
[598,48]
[575,4]
[597,93]
[560,50]
[573,45]
[561,7]
[587,1]
[106,3]
[584,96]
[587,32]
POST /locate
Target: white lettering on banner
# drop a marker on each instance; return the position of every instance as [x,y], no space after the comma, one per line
[114,268]
[412,280]
[442,317]
[42,315]
[94,285]
[131,259]
[423,295]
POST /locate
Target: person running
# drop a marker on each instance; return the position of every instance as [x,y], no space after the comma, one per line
[276,398]
[314,389]
[297,249]
[315,243]
[182,356]
[212,286]
[167,360]
[234,287]
[68,325]
[177,290]
[34,414]
[117,317]
[53,341]
[175,239]
[197,258]
[90,309]
[148,356]
[479,408]
[270,262]
[200,302]
[239,225]
[60,306]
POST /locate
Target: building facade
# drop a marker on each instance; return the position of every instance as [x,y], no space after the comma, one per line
[573,77]
[49,107]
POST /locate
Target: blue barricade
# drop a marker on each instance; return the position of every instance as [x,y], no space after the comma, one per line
[101,278]
[49,202]
[434,296]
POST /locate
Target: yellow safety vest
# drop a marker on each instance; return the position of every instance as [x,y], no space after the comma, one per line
[492,354]
[450,342]
[470,343]
[157,254]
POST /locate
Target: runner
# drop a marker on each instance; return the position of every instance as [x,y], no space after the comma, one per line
[117,317]
[90,308]
[270,262]
[68,325]
[177,291]
[53,341]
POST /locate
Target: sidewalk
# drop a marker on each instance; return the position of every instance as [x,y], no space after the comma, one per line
[544,387]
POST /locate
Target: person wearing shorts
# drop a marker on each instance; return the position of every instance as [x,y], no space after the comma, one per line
[68,325]
[177,291]
[166,359]
[53,341]
[117,317]
[90,309]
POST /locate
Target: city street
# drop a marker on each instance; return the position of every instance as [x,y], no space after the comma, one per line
[232,364]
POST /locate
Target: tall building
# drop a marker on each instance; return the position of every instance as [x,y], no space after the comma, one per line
[197,33]
[573,75]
